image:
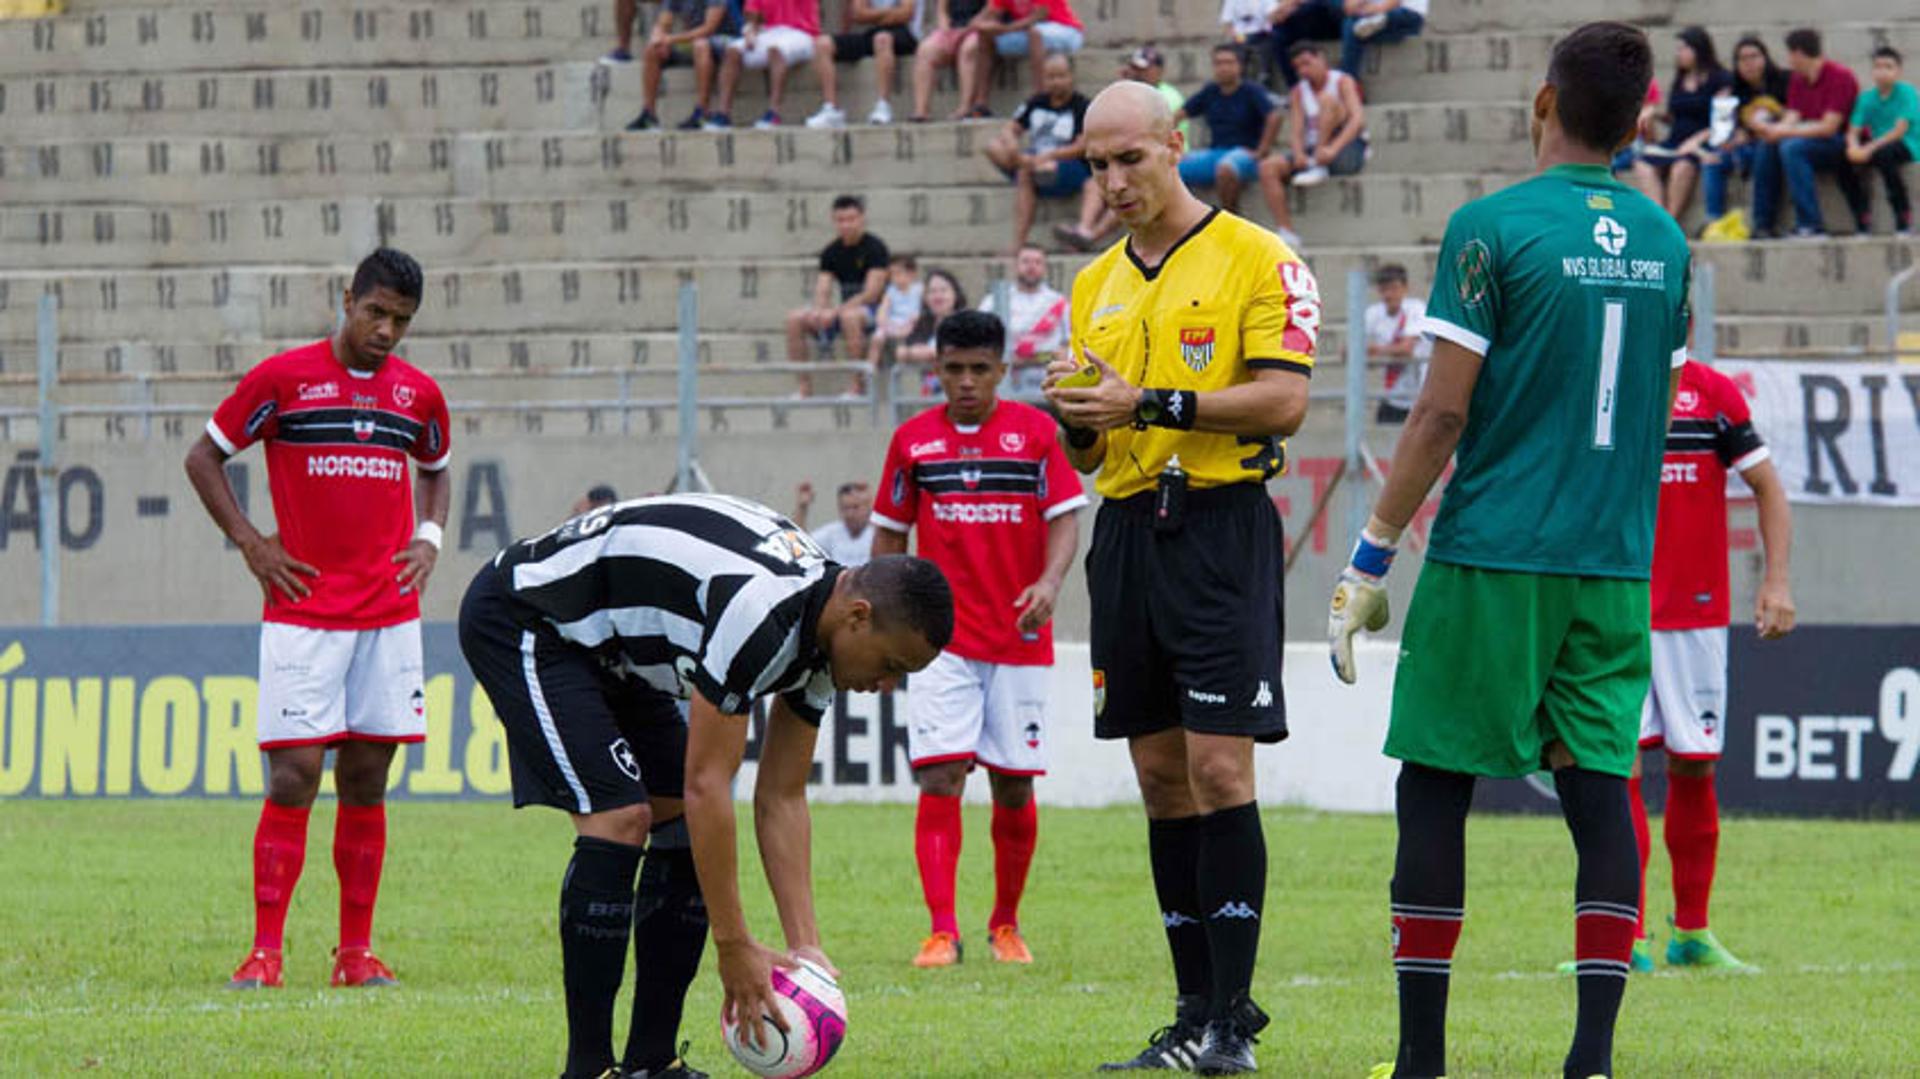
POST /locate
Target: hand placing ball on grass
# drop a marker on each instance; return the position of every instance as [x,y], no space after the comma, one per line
[814,1012]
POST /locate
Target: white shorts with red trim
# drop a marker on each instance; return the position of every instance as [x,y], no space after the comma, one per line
[1686,709]
[320,686]
[962,709]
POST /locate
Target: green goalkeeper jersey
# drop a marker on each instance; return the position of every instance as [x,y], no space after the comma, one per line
[1573,288]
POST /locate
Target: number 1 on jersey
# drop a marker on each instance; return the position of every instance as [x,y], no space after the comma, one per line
[1612,339]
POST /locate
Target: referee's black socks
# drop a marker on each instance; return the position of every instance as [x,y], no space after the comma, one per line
[1606,896]
[1232,884]
[1173,846]
[669,933]
[596,916]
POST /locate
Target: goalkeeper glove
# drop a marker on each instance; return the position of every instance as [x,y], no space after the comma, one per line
[1359,602]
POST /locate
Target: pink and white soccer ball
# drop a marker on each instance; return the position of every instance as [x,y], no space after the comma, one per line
[816,1015]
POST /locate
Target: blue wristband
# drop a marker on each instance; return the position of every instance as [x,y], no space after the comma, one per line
[1372,559]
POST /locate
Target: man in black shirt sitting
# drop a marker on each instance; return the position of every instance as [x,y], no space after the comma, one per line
[853,274]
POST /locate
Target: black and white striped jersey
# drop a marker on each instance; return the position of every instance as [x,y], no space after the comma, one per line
[686,592]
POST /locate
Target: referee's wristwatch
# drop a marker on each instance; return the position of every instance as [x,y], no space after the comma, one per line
[1165,408]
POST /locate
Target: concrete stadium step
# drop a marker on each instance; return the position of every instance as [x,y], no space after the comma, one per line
[582,95]
[970,219]
[148,35]
[1786,279]
[179,169]
[716,225]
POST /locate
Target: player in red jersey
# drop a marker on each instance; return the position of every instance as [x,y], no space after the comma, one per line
[1712,434]
[340,659]
[993,496]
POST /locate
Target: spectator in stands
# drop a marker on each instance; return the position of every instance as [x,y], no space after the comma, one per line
[1327,136]
[1760,94]
[776,35]
[1808,140]
[953,27]
[885,30]
[944,296]
[1377,22]
[853,268]
[1295,21]
[847,539]
[1016,28]
[1885,134]
[1667,171]
[1643,132]
[625,13]
[1040,148]
[1144,64]
[1241,122]
[1393,334]
[1036,318]
[900,307]
[598,495]
[685,32]
[1249,24]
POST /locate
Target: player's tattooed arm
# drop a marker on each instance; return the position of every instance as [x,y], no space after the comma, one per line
[716,743]
[278,572]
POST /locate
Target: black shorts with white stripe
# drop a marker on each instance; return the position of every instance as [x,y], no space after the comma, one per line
[578,739]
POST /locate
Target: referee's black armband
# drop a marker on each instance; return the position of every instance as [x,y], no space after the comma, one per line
[1166,408]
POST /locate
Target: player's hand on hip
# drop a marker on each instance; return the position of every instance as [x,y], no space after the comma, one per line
[274,568]
[416,565]
[1773,611]
[1103,406]
[1035,604]
[1359,602]
[746,975]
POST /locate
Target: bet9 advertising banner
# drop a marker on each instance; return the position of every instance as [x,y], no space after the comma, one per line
[1825,722]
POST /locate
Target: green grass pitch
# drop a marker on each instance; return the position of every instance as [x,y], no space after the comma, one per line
[120,920]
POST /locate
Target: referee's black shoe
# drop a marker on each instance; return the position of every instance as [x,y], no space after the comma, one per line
[1227,1046]
[1171,1048]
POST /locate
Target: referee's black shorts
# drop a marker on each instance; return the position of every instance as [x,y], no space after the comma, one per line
[1188,626]
[578,739]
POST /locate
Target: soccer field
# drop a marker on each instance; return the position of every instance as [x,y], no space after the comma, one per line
[120,920]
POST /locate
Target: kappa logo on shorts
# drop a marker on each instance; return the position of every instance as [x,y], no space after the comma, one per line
[624,759]
[1263,697]
[1099,692]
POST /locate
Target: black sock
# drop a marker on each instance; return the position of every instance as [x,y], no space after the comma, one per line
[669,933]
[1606,897]
[1429,894]
[1232,878]
[596,915]
[1173,844]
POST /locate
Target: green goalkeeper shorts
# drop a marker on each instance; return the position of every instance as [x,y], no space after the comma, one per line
[1495,666]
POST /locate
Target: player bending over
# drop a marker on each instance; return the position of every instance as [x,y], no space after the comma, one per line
[340,636]
[584,639]
[1559,313]
[987,487]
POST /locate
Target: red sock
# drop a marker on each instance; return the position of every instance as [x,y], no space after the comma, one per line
[1015,834]
[1643,837]
[1693,841]
[1602,935]
[359,846]
[279,851]
[936,845]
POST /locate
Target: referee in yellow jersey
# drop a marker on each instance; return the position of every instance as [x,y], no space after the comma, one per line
[1194,339]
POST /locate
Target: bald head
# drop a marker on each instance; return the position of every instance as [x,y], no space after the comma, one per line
[1130,109]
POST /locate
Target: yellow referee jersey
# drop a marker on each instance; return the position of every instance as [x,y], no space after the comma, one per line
[1229,299]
